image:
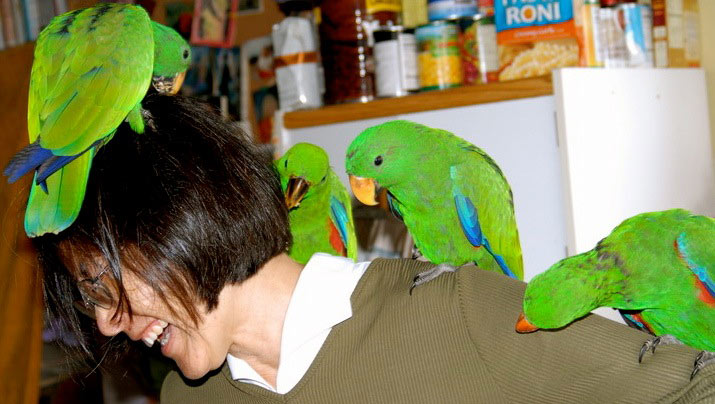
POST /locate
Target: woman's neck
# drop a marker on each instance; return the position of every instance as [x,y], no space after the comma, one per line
[260,304]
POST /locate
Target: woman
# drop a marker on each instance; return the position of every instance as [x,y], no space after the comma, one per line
[181,241]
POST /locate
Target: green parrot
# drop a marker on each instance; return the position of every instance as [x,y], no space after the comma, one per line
[657,269]
[453,198]
[320,213]
[92,68]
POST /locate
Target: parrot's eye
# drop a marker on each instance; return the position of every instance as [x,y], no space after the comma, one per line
[378,160]
[286,164]
[186,53]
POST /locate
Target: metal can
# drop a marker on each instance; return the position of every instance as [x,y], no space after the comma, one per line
[395,53]
[612,40]
[468,49]
[637,24]
[586,22]
[450,9]
[438,55]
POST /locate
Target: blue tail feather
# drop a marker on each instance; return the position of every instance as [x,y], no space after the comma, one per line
[498,258]
[51,166]
[26,160]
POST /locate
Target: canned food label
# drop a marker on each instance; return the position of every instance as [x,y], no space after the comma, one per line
[615,53]
[440,64]
[637,32]
[408,53]
[374,6]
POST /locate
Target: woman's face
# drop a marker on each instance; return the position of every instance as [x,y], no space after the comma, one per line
[196,349]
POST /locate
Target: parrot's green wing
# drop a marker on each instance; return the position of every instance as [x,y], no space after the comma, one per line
[493,212]
[91,68]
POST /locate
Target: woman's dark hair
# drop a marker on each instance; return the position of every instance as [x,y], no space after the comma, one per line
[189,206]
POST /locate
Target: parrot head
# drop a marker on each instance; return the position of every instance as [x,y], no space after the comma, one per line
[567,291]
[172,57]
[388,156]
[302,167]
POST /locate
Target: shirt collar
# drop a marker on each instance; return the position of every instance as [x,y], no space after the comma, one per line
[320,300]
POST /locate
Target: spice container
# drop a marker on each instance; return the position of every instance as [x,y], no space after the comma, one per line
[487,48]
[346,54]
[395,53]
[438,55]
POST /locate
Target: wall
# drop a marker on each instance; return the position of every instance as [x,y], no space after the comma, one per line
[20,295]
[707,38]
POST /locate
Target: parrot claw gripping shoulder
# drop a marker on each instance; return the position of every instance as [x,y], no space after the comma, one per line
[432,273]
[703,359]
[651,344]
[92,67]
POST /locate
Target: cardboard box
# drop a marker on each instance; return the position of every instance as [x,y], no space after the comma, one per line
[534,37]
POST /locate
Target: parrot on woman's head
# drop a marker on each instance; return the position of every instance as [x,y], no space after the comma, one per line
[453,198]
[91,70]
[657,269]
[320,212]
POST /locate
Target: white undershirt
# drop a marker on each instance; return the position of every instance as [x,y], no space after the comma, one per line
[320,301]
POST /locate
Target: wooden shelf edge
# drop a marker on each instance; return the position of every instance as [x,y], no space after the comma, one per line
[454,97]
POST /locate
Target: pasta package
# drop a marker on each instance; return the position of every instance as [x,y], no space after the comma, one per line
[534,37]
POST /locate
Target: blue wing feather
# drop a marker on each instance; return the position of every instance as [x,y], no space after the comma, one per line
[469,219]
[339,215]
[467,213]
[698,270]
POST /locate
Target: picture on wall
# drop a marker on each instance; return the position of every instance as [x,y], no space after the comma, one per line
[214,23]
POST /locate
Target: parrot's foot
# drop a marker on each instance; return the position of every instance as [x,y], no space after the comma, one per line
[703,359]
[653,343]
[148,119]
[426,276]
[416,254]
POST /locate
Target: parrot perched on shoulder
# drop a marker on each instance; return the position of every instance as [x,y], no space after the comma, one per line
[657,269]
[453,198]
[320,212]
[92,67]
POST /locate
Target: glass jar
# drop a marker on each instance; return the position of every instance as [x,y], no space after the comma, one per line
[346,53]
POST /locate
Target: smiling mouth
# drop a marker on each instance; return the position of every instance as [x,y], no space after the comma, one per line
[158,331]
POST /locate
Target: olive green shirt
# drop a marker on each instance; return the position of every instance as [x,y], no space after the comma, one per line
[453,341]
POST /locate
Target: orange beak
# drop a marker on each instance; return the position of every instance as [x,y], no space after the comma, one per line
[364,189]
[295,191]
[178,81]
[523,326]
